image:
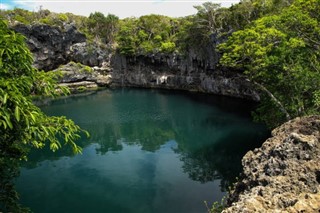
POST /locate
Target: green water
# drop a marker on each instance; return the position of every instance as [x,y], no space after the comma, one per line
[149,151]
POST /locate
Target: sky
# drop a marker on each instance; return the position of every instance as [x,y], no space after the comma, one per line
[121,8]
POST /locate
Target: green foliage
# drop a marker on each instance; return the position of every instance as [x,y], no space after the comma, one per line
[81,88]
[103,27]
[55,20]
[280,54]
[82,68]
[126,37]
[213,23]
[63,17]
[22,124]
[18,15]
[18,81]
[217,207]
[167,47]
[147,34]
[46,17]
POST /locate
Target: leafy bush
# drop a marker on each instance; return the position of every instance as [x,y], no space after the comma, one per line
[168,47]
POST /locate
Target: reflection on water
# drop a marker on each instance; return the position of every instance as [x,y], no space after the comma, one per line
[149,151]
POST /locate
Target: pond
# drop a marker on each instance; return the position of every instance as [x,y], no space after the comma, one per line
[148,151]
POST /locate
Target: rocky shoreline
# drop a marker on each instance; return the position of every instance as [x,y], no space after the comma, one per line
[283,175]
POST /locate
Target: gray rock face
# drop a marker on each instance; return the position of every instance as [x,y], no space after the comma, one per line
[174,72]
[50,45]
[91,55]
[284,174]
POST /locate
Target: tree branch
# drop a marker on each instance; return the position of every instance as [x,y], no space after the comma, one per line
[281,107]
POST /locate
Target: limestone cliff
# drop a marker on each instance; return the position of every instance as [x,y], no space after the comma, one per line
[53,47]
[284,174]
[171,71]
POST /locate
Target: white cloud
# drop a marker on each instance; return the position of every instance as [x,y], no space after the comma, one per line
[4,6]
[121,8]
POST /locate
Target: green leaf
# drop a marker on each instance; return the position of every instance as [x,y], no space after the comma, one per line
[17,113]
[32,117]
[5,98]
[54,147]
[4,123]
[8,122]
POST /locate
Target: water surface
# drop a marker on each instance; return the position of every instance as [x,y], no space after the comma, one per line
[149,151]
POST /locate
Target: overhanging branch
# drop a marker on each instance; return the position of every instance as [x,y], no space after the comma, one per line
[281,107]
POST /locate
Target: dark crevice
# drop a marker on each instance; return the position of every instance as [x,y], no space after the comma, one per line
[318,176]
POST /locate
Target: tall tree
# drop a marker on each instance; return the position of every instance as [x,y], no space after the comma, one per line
[103,27]
[112,22]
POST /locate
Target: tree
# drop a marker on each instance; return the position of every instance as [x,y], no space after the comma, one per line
[112,27]
[208,16]
[96,24]
[22,124]
[103,27]
[147,34]
[280,55]
[127,36]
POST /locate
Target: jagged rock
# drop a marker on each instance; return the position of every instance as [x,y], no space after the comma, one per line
[170,71]
[284,174]
[91,55]
[50,45]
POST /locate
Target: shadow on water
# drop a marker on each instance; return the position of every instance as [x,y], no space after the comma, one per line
[207,134]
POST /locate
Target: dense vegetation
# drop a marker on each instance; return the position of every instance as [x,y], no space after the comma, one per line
[22,124]
[280,54]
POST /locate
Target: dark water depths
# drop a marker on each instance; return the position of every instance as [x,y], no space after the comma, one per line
[149,151]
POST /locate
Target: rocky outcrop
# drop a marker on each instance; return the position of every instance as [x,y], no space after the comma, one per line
[170,71]
[52,46]
[89,54]
[80,77]
[284,174]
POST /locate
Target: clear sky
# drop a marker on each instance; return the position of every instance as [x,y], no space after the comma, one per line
[121,8]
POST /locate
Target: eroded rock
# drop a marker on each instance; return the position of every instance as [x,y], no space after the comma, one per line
[284,174]
[50,45]
[170,71]
[76,75]
[88,54]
